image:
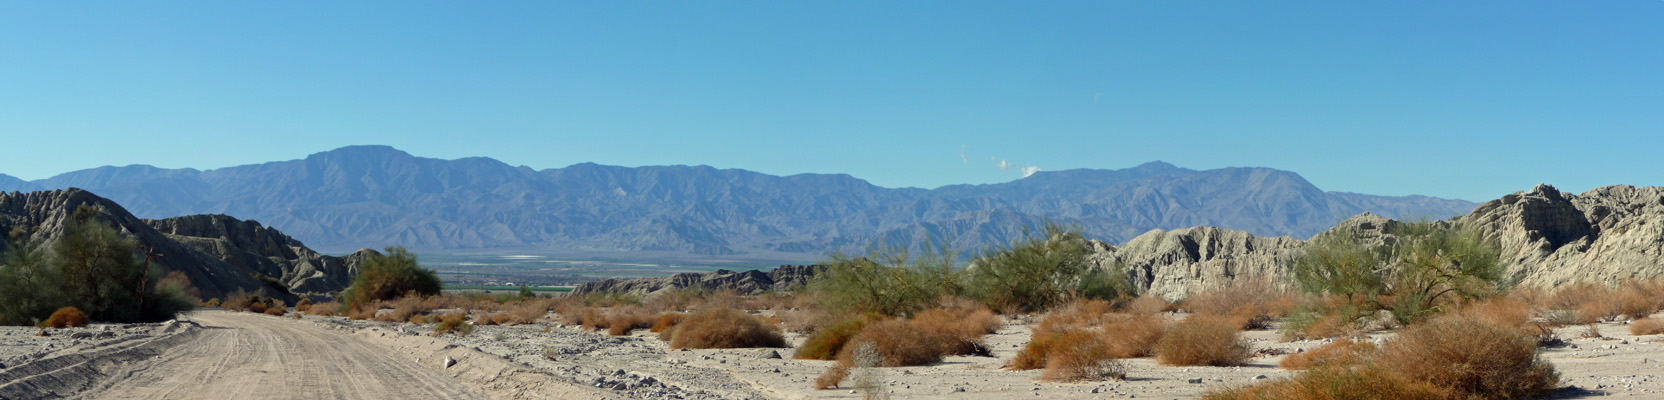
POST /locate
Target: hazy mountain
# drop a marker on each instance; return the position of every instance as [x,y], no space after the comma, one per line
[370,196]
[9,183]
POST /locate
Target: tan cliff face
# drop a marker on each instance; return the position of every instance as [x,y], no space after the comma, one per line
[1548,238]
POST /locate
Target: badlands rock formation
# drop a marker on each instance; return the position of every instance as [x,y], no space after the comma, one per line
[1548,238]
[219,254]
[1604,235]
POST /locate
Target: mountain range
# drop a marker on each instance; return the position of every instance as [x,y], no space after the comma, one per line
[372,196]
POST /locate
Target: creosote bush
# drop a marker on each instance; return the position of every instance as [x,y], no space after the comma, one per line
[1202,340]
[67,317]
[723,329]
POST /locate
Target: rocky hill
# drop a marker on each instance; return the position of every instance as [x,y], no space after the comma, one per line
[1548,238]
[219,254]
[749,282]
[364,196]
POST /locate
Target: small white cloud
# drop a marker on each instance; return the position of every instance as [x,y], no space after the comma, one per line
[1030,170]
[962,154]
[1004,166]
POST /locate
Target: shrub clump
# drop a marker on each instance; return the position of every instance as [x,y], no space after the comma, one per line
[1202,340]
[724,329]
[1646,326]
[1080,356]
[388,276]
[1339,352]
[826,343]
[1470,356]
[67,317]
[457,323]
[1450,357]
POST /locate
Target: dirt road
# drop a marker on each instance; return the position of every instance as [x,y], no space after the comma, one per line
[251,356]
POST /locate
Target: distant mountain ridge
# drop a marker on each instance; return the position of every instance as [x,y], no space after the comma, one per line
[370,196]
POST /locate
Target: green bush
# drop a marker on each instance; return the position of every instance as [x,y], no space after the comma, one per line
[93,268]
[887,283]
[390,276]
[1038,272]
[1421,269]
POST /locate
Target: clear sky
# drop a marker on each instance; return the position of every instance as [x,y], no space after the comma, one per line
[1470,100]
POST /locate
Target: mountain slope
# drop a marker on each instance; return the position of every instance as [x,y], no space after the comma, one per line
[370,196]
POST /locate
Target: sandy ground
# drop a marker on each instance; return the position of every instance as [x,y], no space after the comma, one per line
[240,355]
[1616,365]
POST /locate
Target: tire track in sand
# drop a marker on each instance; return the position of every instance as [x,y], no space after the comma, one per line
[252,356]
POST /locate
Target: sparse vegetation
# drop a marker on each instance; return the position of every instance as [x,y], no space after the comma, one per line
[1202,340]
[389,275]
[67,317]
[1424,270]
[723,329]
[1041,271]
[1344,351]
[91,267]
[454,323]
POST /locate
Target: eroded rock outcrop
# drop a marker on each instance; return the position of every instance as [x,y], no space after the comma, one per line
[1550,238]
[219,254]
[1181,261]
[751,282]
[1547,237]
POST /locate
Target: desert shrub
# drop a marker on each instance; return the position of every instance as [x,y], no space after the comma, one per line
[621,322]
[594,320]
[826,343]
[324,309]
[276,311]
[1473,357]
[1202,340]
[891,282]
[675,299]
[898,343]
[1335,383]
[1080,356]
[1417,275]
[1646,326]
[67,317]
[803,320]
[240,301]
[90,266]
[959,330]
[1250,303]
[388,276]
[1123,335]
[1325,316]
[258,307]
[1037,352]
[403,308]
[1040,271]
[303,305]
[666,321]
[214,302]
[529,311]
[1339,352]
[1149,304]
[831,377]
[1133,335]
[724,329]
[456,323]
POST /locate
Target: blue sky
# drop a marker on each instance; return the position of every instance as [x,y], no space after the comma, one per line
[1470,100]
